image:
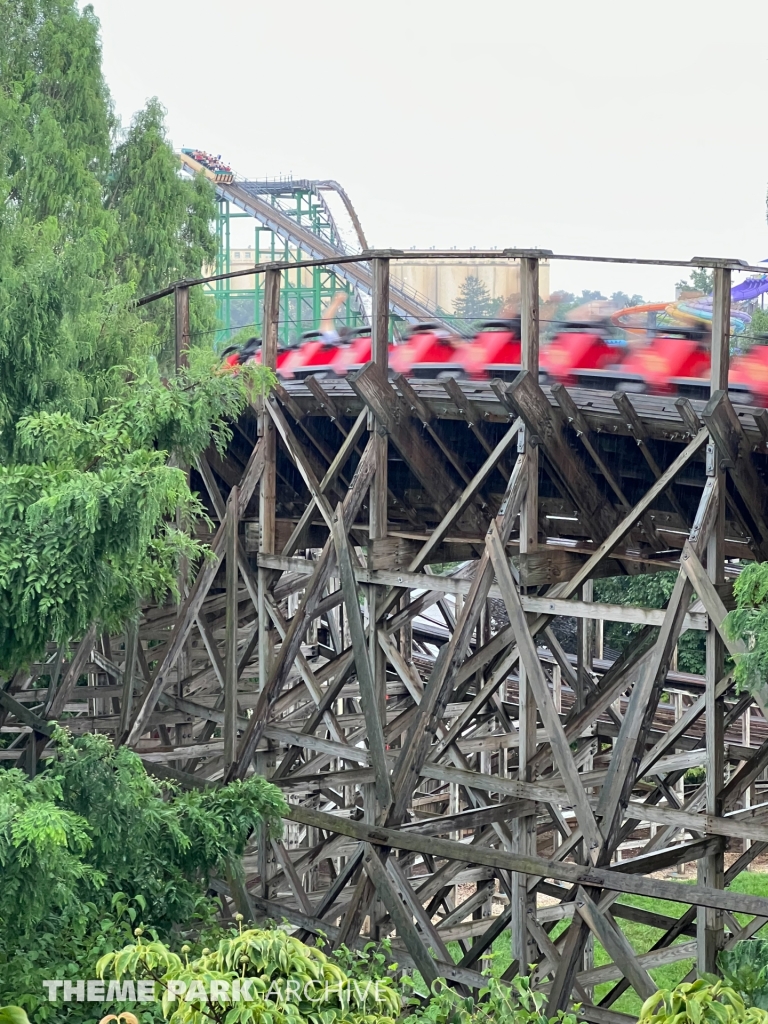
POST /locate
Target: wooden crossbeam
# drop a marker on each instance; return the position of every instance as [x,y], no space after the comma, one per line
[735,450]
[300,622]
[615,943]
[368,696]
[561,750]
[415,750]
[565,466]
[603,878]
[390,411]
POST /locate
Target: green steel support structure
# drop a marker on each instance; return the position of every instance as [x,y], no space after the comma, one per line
[305,293]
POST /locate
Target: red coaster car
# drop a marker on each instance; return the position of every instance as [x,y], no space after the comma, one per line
[427,352]
[282,354]
[354,354]
[311,355]
[494,351]
[677,357]
[579,348]
[748,379]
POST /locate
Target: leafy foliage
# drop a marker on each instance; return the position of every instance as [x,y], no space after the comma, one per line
[115,847]
[88,519]
[289,982]
[648,591]
[758,324]
[91,215]
[745,968]
[13,1015]
[516,1004]
[701,280]
[749,623]
[705,1001]
[625,301]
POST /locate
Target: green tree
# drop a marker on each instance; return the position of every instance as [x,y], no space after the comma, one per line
[749,622]
[647,591]
[88,513]
[91,217]
[474,301]
[701,280]
[93,846]
[625,301]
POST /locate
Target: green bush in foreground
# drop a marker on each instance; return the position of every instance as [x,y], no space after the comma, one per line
[258,975]
[13,1015]
[706,1001]
[517,1003]
[745,968]
[94,846]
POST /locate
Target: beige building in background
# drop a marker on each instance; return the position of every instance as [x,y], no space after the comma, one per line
[439,281]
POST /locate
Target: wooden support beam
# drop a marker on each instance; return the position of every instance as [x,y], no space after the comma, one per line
[423,920]
[615,943]
[709,597]
[301,620]
[230,643]
[62,693]
[415,749]
[343,454]
[465,498]
[561,750]
[625,526]
[368,693]
[391,414]
[270,319]
[565,466]
[734,454]
[422,411]
[623,403]
[131,652]
[629,747]
[710,924]
[24,716]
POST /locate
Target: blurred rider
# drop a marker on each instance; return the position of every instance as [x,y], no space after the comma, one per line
[330,333]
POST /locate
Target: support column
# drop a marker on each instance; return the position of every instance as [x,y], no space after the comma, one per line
[710,925]
[377,516]
[267,486]
[524,948]
[230,643]
[181,297]
[585,647]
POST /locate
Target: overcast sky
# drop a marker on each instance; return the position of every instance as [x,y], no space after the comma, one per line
[600,127]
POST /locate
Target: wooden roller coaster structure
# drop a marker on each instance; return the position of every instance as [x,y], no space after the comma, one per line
[440,750]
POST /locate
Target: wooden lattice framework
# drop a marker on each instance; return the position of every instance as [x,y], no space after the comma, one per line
[428,772]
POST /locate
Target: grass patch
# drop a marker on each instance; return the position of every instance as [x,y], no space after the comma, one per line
[642,937]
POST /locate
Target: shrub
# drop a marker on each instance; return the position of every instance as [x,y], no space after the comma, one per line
[745,968]
[706,1001]
[279,980]
[517,1003]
